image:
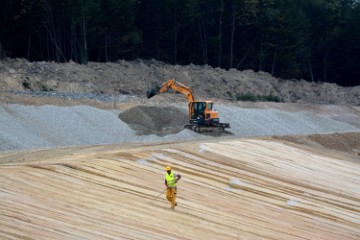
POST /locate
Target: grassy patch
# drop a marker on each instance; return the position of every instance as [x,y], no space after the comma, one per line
[270,98]
[246,97]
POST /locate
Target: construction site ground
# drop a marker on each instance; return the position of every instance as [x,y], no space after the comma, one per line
[234,186]
[78,161]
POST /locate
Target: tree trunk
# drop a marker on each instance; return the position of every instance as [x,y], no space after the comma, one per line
[73,41]
[203,43]
[310,69]
[28,45]
[2,53]
[84,56]
[220,32]
[274,60]
[325,65]
[175,33]
[246,54]
[52,36]
[261,56]
[106,47]
[232,36]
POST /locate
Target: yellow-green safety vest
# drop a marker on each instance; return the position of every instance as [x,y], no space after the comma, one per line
[170,179]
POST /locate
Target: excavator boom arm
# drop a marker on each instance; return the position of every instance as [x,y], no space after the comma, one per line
[176,86]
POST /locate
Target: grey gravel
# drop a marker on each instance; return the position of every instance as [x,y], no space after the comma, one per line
[29,127]
[269,122]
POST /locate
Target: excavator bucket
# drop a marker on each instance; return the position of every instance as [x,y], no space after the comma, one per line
[151,92]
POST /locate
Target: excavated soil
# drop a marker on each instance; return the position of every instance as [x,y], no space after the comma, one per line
[346,142]
[135,78]
[344,146]
[161,121]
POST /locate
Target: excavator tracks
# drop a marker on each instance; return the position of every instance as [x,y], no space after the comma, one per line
[207,128]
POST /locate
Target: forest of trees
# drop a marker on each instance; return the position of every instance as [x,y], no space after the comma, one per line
[317,40]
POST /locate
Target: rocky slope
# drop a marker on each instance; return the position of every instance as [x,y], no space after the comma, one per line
[136,77]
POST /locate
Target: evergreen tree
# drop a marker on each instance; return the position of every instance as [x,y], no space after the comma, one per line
[313,39]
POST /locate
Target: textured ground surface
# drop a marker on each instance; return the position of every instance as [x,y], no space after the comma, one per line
[274,175]
[231,189]
[43,126]
[288,186]
[135,77]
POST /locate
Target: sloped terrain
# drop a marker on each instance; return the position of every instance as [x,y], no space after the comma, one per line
[135,77]
[82,155]
[231,189]
[29,127]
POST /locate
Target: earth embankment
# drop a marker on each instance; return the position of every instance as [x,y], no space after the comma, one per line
[230,189]
[44,126]
[136,77]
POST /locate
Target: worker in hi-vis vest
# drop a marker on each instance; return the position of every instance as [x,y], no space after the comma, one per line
[171,179]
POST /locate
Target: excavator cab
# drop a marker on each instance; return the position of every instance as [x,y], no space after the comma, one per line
[201,112]
[197,110]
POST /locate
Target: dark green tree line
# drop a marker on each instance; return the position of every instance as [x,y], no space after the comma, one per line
[318,40]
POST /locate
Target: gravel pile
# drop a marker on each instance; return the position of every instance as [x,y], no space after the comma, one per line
[155,120]
[269,122]
[27,127]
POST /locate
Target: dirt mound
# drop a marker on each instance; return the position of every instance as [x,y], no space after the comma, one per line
[135,77]
[160,121]
[346,142]
[335,142]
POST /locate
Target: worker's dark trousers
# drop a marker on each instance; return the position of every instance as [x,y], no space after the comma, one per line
[171,196]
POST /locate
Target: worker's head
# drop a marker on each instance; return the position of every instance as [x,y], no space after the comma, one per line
[168,169]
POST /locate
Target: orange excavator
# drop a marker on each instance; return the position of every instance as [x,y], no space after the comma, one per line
[202,117]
